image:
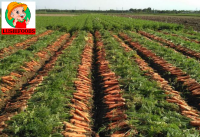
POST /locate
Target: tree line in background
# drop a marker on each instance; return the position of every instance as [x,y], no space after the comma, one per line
[145,10]
[150,10]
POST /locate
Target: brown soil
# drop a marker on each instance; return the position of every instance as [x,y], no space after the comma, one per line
[193,22]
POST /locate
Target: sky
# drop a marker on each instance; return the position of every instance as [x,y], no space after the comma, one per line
[116,4]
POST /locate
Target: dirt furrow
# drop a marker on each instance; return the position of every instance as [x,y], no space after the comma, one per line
[179,48]
[114,103]
[80,124]
[19,103]
[171,72]
[174,96]
[15,80]
[22,45]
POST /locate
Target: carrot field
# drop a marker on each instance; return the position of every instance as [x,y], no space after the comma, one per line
[95,75]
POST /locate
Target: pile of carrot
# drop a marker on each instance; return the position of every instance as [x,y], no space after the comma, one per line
[174,96]
[33,39]
[179,48]
[13,107]
[181,76]
[8,82]
[80,123]
[113,99]
[52,48]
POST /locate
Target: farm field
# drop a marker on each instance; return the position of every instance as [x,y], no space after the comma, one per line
[99,75]
[190,21]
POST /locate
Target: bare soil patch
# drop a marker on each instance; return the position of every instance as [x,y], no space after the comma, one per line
[193,22]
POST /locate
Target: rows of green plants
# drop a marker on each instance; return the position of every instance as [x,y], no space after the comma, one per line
[66,24]
[148,111]
[183,34]
[79,25]
[176,40]
[9,40]
[88,26]
[49,106]
[50,22]
[130,23]
[14,61]
[177,59]
[92,22]
[62,23]
[97,25]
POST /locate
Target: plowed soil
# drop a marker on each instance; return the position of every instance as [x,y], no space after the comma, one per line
[187,21]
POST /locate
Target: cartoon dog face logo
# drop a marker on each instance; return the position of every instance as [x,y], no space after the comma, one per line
[18,15]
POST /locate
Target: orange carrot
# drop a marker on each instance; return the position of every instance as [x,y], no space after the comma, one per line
[77,130]
[83,127]
[83,123]
[113,111]
[109,96]
[72,134]
[114,91]
[185,107]
[3,89]
[25,68]
[80,103]
[82,94]
[109,102]
[172,101]
[195,123]
[117,124]
[112,88]
[109,115]
[108,74]
[117,135]
[79,98]
[117,118]
[84,77]
[190,113]
[77,117]
[6,78]
[111,82]
[116,105]
[82,114]
[8,82]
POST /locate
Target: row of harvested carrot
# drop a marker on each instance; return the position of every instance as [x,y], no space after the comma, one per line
[191,84]
[9,81]
[174,96]
[19,104]
[80,123]
[113,99]
[185,38]
[15,80]
[179,48]
[22,45]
